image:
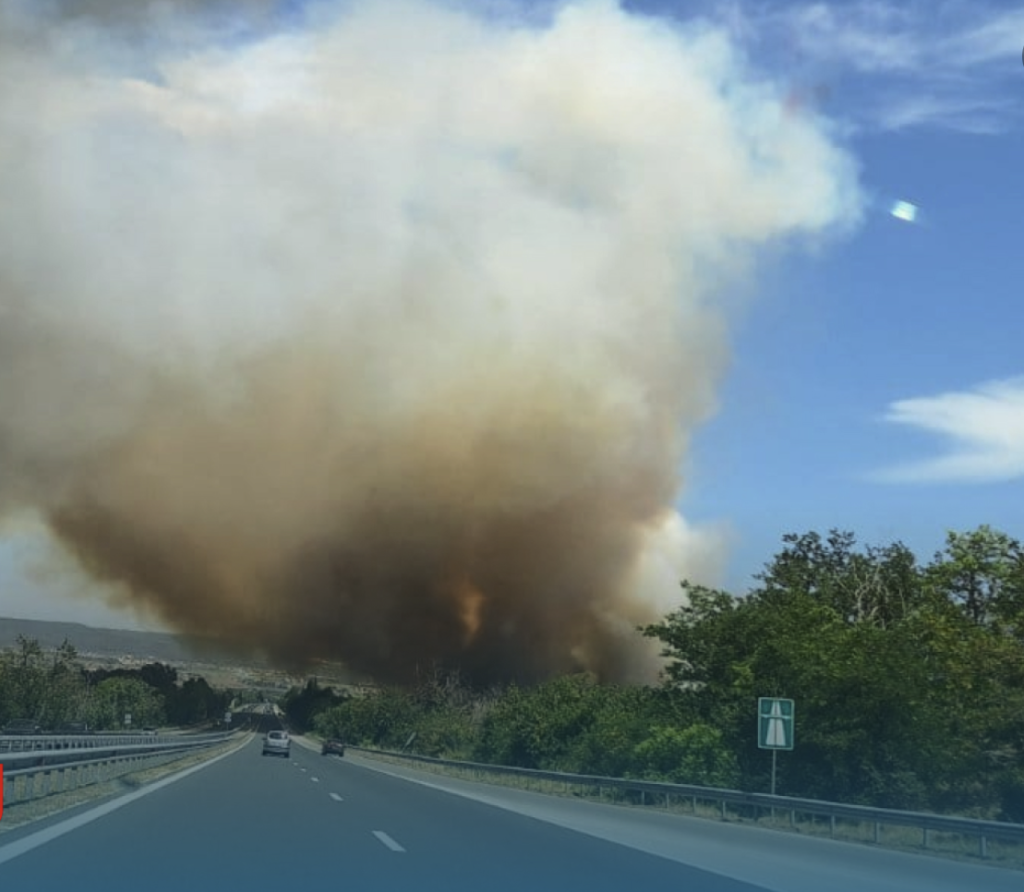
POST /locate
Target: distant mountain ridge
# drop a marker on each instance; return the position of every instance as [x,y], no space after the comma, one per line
[161,647]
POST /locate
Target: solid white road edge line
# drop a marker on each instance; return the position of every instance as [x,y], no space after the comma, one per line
[13,849]
[388,841]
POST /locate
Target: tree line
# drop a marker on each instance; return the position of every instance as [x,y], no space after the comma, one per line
[908,680]
[56,691]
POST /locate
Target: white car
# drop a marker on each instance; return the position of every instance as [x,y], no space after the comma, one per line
[277,743]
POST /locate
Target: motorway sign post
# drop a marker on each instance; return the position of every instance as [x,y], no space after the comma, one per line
[775,721]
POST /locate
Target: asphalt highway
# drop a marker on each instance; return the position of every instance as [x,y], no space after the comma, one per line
[310,822]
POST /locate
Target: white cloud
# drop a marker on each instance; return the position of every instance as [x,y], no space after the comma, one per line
[985,428]
[868,37]
[995,39]
[968,114]
[945,65]
[930,39]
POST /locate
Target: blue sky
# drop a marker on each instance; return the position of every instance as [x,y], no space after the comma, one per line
[872,387]
[876,384]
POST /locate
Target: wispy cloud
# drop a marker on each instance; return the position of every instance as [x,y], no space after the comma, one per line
[968,114]
[948,65]
[983,427]
[994,39]
[867,37]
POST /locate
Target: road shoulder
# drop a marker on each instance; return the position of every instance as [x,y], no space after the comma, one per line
[759,856]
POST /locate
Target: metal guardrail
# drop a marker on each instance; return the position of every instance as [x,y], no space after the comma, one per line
[25,742]
[37,766]
[983,831]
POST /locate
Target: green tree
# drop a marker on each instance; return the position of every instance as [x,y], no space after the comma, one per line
[538,727]
[383,718]
[907,680]
[301,705]
[694,755]
[195,702]
[66,696]
[877,586]
[983,572]
[115,698]
[23,670]
[622,719]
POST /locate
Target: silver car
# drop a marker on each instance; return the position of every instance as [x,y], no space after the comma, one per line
[277,743]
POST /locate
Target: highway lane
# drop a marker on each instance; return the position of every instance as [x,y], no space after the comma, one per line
[777,861]
[253,822]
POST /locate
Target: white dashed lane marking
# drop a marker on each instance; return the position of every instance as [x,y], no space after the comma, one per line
[388,841]
[336,797]
[315,780]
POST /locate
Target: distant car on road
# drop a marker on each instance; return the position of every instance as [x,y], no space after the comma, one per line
[333,747]
[22,726]
[277,743]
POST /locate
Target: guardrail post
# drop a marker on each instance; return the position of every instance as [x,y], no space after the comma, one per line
[982,846]
[723,810]
[927,837]
[877,833]
[832,826]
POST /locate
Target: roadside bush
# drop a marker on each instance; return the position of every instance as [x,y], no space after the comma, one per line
[538,727]
[693,755]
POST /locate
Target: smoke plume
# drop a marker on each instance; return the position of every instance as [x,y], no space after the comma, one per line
[379,334]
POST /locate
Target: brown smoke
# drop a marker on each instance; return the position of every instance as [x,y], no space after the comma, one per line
[383,341]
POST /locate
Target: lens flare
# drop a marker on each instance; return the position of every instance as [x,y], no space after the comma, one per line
[904,210]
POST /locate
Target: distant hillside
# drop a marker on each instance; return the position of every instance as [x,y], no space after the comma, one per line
[157,646]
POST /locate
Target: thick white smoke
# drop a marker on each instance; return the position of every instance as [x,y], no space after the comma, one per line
[382,339]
